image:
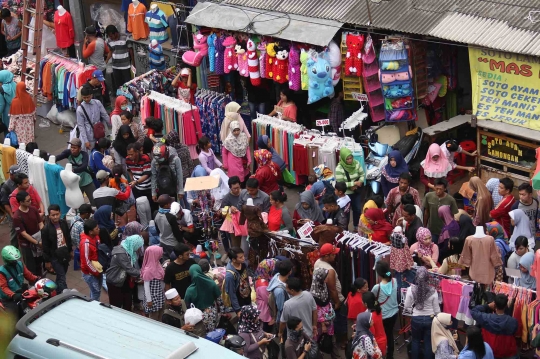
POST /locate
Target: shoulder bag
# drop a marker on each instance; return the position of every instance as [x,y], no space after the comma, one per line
[98,128]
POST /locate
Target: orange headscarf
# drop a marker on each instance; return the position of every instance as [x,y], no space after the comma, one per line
[23,103]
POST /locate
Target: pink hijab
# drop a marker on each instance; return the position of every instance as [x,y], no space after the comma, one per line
[151,267]
[439,168]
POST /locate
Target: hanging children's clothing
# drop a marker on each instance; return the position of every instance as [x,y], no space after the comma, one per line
[55,186]
[212,108]
[136,24]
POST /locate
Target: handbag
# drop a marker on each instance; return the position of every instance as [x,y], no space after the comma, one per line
[358,190]
[13,140]
[98,128]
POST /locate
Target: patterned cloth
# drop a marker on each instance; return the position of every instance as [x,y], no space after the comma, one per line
[23,125]
[319,289]
[394,200]
[249,319]
[325,320]
[265,269]
[366,348]
[77,227]
[401,259]
[157,297]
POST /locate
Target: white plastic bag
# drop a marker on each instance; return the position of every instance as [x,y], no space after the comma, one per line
[193,315]
[52,115]
[67,118]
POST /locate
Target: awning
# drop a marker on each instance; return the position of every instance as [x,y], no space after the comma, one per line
[297,28]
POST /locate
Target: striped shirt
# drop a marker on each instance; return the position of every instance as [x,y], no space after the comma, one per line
[139,169]
[157,22]
[156,60]
[120,53]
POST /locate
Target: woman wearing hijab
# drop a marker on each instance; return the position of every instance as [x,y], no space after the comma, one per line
[325,312]
[268,173]
[364,224]
[484,201]
[172,139]
[521,248]
[450,264]
[236,156]
[525,263]
[427,251]
[422,300]
[249,328]
[123,272]
[442,340]
[379,226]
[120,105]
[108,233]
[205,295]
[222,189]
[364,344]
[350,171]
[307,211]
[450,229]
[133,228]
[466,227]
[232,115]
[152,274]
[22,114]
[263,142]
[495,230]
[435,166]
[390,173]
[7,96]
[120,144]
[522,227]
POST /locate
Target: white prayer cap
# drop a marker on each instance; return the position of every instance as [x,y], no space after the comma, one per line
[175,208]
[171,293]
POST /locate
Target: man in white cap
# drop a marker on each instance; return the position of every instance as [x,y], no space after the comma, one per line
[175,310]
[106,195]
[186,88]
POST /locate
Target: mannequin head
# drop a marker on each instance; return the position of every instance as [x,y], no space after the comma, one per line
[154,7]
[6,15]
[61,10]
[112,32]
[135,2]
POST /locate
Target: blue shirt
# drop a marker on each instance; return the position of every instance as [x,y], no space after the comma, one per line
[468,354]
[157,22]
[389,307]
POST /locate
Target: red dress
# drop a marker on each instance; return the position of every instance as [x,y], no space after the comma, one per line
[63,27]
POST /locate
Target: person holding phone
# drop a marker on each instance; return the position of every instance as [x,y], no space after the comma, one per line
[249,328]
[307,211]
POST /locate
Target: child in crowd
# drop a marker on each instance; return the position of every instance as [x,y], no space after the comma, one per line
[311,181]
[343,200]
[207,158]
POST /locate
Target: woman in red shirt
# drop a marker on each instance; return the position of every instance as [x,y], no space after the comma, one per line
[378,225]
[279,216]
[268,173]
[355,304]
[376,317]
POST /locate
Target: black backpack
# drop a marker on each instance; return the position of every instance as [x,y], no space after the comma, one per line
[104,256]
[166,180]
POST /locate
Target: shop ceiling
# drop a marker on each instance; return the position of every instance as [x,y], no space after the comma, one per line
[507,25]
[285,26]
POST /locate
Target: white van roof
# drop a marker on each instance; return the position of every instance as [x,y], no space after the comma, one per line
[102,330]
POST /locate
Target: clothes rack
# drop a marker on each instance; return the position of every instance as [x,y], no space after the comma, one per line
[212,104]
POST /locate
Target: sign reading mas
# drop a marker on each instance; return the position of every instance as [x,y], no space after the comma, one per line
[506,87]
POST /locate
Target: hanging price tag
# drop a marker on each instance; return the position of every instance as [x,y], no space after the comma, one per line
[322,122]
[305,230]
[359,96]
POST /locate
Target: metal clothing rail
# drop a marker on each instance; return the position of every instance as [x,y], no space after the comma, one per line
[514,286]
[52,53]
[449,277]
[139,77]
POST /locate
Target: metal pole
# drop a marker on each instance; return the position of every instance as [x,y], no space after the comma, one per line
[369,13]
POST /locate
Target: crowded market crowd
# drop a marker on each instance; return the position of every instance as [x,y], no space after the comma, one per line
[161,261]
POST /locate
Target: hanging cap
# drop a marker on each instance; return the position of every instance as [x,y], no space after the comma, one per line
[171,294]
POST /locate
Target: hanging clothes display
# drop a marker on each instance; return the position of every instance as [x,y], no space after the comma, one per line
[157,24]
[36,177]
[211,105]
[176,115]
[63,29]
[135,21]
[55,186]
[60,78]
[22,158]
[8,159]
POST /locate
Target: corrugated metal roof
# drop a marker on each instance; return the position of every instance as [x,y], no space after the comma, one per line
[499,24]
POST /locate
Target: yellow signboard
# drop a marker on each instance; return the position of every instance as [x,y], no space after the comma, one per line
[506,87]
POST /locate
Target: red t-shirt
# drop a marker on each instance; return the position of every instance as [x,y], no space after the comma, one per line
[355,305]
[183,92]
[378,331]
[34,195]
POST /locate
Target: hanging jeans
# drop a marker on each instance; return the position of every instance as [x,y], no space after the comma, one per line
[421,330]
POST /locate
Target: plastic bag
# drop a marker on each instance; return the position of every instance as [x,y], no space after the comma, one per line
[193,315]
[106,15]
[43,123]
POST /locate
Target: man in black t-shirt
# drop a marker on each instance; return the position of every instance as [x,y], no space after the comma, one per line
[177,272]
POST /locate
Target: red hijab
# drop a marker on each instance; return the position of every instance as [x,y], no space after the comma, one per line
[376,215]
[23,103]
[118,106]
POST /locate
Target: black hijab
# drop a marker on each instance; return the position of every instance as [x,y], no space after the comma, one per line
[466,227]
[120,143]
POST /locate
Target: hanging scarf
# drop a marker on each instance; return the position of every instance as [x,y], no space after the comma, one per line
[521,227]
[118,106]
[319,289]
[436,169]
[151,267]
[527,280]
[466,227]
[23,103]
[422,290]
[439,332]
[103,218]
[249,320]
[421,235]
[203,291]
[237,145]
[369,204]
[484,201]
[451,227]
[120,143]
[132,244]
[132,228]
[264,158]
[401,165]
[376,215]
[314,212]
[344,152]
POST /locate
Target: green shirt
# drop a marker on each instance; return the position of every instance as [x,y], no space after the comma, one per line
[86,179]
[355,176]
[432,203]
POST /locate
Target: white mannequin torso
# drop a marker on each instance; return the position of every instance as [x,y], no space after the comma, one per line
[74,196]
[61,10]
